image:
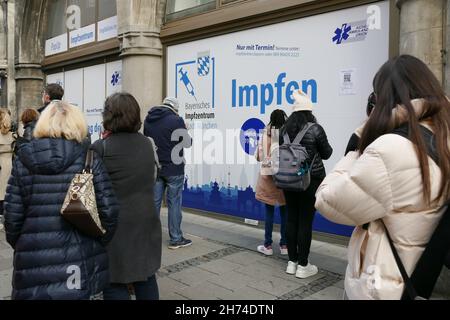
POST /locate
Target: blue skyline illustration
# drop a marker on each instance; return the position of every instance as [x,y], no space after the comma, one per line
[241,202]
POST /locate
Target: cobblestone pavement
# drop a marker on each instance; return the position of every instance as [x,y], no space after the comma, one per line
[222,264]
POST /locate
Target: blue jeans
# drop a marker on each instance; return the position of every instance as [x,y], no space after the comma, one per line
[270,210]
[174,186]
[147,290]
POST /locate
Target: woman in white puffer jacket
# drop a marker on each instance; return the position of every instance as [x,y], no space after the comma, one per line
[390,180]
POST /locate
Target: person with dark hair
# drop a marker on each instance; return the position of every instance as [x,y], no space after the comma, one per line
[354,139]
[51,92]
[29,118]
[300,205]
[135,250]
[161,124]
[266,191]
[391,185]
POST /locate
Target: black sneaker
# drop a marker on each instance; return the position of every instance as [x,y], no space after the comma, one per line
[180,244]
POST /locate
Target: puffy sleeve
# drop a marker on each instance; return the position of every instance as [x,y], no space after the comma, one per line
[357,191]
[14,207]
[107,204]
[323,146]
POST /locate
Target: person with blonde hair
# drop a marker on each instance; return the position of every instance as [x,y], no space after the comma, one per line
[6,152]
[52,259]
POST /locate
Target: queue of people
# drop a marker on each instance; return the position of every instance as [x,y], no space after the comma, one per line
[393,186]
[54,259]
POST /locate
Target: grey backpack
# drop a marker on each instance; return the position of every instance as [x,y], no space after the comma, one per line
[292,169]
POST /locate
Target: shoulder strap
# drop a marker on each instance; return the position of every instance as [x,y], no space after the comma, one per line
[89,161]
[302,133]
[409,288]
[155,153]
[286,139]
[104,148]
[430,264]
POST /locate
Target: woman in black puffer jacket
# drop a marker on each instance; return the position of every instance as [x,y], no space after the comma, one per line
[52,260]
[301,204]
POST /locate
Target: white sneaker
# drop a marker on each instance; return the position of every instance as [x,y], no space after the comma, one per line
[268,251]
[292,267]
[284,250]
[306,272]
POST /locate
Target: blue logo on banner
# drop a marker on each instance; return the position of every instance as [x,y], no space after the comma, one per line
[351,32]
[204,65]
[342,33]
[250,135]
[115,78]
[184,78]
[197,77]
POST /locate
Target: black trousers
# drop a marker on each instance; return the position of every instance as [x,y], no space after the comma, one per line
[301,212]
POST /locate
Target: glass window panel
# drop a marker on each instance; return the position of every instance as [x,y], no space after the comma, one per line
[57,18]
[106,9]
[180,5]
[87,9]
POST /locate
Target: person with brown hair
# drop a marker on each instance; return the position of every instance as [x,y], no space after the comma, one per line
[135,250]
[390,186]
[266,190]
[29,118]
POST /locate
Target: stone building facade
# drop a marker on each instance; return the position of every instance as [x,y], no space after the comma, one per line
[145,25]
[424,32]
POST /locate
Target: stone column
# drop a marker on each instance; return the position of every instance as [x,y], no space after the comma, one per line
[10,55]
[3,60]
[139,27]
[421,31]
[447,52]
[31,28]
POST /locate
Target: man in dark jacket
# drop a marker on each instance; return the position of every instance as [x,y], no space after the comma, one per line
[52,91]
[164,125]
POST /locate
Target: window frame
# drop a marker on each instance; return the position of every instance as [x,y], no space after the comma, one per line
[83,52]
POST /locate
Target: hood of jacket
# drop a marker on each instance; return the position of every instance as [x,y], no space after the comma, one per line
[160,112]
[400,115]
[50,156]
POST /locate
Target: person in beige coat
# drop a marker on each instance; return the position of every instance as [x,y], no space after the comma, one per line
[391,181]
[266,191]
[6,151]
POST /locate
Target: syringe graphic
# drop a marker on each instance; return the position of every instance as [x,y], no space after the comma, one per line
[187,83]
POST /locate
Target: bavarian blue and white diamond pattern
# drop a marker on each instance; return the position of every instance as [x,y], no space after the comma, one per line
[203,66]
